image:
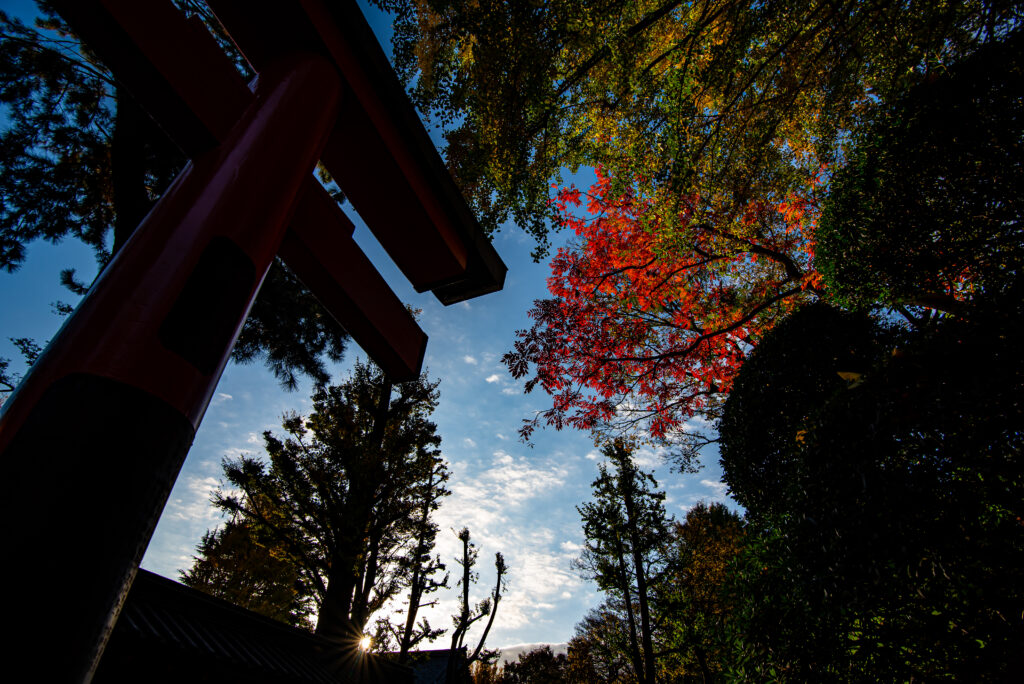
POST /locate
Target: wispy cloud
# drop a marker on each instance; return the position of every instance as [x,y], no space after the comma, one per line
[645,457]
[541,579]
[493,378]
[499,503]
[193,504]
[718,488]
[492,500]
[469,442]
[471,360]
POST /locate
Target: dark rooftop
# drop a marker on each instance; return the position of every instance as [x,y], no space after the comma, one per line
[168,632]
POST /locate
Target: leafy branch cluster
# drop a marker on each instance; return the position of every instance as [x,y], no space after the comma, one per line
[728,100]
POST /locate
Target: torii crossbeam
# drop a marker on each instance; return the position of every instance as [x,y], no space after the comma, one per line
[93,439]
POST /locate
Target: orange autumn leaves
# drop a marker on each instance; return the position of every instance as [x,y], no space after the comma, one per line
[651,316]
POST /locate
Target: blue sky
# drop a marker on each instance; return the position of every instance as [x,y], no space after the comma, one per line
[516,499]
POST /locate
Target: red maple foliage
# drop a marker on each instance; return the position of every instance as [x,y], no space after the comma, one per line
[649,322]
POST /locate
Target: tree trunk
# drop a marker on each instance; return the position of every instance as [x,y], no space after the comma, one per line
[366,579]
[626,474]
[460,629]
[416,585]
[415,594]
[702,660]
[336,620]
[627,596]
[499,563]
[645,614]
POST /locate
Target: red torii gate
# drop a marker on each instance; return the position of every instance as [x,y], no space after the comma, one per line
[94,437]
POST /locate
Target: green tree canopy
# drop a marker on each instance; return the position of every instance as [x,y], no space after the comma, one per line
[928,211]
[539,666]
[600,647]
[714,128]
[691,596]
[886,541]
[724,100]
[799,365]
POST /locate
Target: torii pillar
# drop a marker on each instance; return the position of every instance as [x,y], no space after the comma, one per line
[93,439]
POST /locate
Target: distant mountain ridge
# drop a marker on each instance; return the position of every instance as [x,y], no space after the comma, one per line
[509,654]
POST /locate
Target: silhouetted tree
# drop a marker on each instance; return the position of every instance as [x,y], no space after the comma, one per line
[601,648]
[625,527]
[342,493]
[890,549]
[29,351]
[779,388]
[469,614]
[880,465]
[539,666]
[259,575]
[928,210]
[6,381]
[423,570]
[425,567]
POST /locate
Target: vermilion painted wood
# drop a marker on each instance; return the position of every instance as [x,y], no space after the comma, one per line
[398,135]
[384,331]
[243,190]
[378,178]
[373,155]
[172,65]
[354,48]
[106,415]
[332,266]
[418,215]
[412,206]
[202,80]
